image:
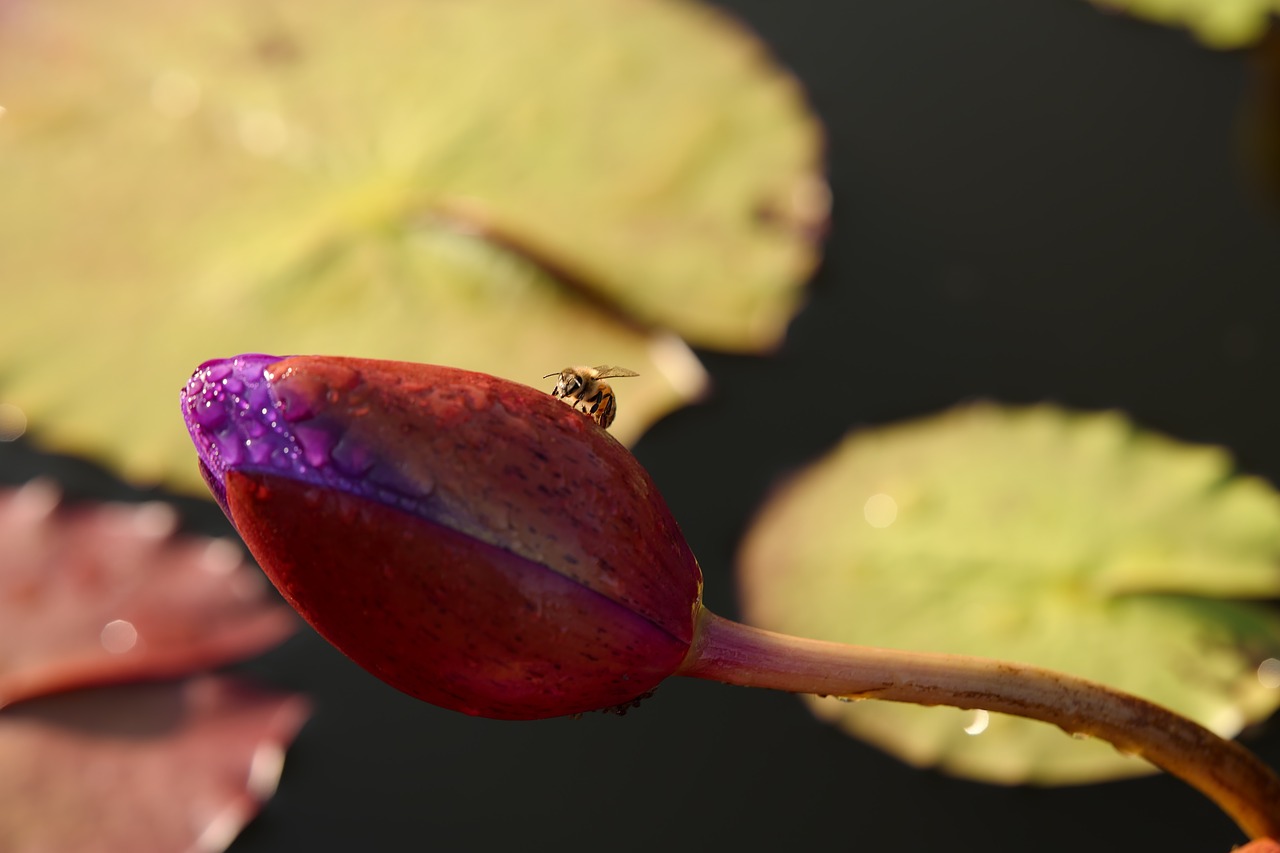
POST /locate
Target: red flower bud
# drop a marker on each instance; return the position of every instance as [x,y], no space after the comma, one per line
[471,541]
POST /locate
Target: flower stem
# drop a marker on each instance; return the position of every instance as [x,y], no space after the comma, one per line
[1225,772]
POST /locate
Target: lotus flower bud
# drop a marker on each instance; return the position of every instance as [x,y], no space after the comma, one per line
[471,541]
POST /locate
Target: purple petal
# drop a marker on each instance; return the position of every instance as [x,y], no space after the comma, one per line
[242,419]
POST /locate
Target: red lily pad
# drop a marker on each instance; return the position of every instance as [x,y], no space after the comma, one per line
[107,593]
[146,767]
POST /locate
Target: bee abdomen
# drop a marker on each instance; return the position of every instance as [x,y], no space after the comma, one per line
[604,410]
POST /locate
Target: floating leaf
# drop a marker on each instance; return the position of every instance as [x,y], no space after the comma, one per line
[146,767]
[1072,541]
[1217,23]
[1262,845]
[104,593]
[194,180]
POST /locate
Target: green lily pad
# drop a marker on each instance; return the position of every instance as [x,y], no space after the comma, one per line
[503,185]
[1221,24]
[1071,541]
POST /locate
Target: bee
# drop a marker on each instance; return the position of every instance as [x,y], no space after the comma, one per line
[584,388]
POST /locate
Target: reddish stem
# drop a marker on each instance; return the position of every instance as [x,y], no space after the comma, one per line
[1225,772]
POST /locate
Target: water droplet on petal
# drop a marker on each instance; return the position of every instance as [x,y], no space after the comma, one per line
[317,443]
[352,458]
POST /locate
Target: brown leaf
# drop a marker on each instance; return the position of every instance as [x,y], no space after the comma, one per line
[106,593]
[178,766]
[1262,845]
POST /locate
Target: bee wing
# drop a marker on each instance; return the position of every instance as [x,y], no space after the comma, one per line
[605,371]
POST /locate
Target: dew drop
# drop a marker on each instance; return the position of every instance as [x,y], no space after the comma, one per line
[211,415]
[217,372]
[231,453]
[258,450]
[119,636]
[351,457]
[13,422]
[1269,673]
[317,443]
[978,725]
[880,510]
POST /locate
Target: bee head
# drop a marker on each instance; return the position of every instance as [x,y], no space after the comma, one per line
[570,382]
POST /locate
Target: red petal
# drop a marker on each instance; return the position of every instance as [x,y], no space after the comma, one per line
[148,767]
[509,465]
[106,593]
[441,615]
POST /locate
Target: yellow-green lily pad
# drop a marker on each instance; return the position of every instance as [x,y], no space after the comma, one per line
[1216,23]
[1067,540]
[504,185]
[421,295]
